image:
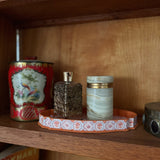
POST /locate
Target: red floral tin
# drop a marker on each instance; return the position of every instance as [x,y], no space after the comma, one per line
[30,84]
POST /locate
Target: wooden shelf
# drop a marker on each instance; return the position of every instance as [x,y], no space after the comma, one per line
[128,46]
[125,145]
[35,13]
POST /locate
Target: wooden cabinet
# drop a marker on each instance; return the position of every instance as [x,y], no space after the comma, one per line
[90,44]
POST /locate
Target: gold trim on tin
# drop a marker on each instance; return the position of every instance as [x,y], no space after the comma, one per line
[99,85]
[37,64]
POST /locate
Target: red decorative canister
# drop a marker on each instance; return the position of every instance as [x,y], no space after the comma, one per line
[30,84]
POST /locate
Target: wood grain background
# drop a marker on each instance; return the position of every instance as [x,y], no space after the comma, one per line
[126,49]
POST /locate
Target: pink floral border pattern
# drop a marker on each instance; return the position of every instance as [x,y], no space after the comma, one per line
[88,126]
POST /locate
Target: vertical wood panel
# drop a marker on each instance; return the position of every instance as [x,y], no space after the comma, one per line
[7,54]
[126,49]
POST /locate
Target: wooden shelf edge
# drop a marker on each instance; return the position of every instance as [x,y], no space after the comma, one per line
[89,18]
[77,145]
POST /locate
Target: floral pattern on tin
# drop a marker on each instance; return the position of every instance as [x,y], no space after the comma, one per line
[77,125]
[67,124]
[88,126]
[110,125]
[28,86]
[99,126]
[56,124]
[120,124]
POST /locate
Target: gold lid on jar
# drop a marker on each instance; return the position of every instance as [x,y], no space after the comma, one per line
[99,85]
[99,81]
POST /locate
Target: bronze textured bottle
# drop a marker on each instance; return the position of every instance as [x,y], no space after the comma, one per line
[67,97]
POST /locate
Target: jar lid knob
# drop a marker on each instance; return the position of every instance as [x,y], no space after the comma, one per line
[68,76]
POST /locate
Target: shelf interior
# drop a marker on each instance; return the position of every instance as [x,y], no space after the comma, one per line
[127,49]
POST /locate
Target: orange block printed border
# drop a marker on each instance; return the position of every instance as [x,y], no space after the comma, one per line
[123,121]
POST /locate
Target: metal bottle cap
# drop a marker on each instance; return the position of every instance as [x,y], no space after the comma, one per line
[68,76]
